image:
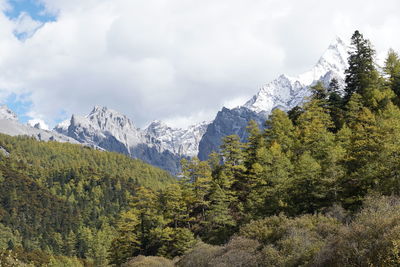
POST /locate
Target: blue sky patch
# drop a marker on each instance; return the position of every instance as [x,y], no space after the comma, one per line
[20,104]
[33,7]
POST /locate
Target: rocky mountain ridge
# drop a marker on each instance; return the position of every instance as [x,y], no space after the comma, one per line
[164,146]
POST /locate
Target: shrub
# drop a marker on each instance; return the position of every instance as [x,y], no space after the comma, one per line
[151,261]
[291,242]
[200,256]
[239,252]
[372,239]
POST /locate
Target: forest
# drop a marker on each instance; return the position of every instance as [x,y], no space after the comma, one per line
[318,187]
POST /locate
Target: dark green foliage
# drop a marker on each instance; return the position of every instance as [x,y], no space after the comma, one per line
[64,199]
[294,114]
[289,196]
[335,105]
[361,74]
[392,70]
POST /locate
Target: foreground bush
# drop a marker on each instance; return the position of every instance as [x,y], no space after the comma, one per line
[291,242]
[142,261]
[238,252]
[372,239]
[200,256]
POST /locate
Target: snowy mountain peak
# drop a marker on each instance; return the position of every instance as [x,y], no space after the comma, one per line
[179,141]
[157,125]
[7,114]
[62,127]
[286,92]
[109,120]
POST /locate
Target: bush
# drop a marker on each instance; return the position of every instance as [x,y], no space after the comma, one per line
[372,239]
[151,261]
[9,259]
[291,242]
[238,252]
[200,256]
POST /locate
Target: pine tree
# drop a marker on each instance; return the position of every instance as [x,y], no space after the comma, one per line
[313,127]
[127,243]
[307,191]
[232,174]
[392,70]
[272,173]
[319,91]
[280,130]
[220,223]
[361,75]
[335,105]
[294,114]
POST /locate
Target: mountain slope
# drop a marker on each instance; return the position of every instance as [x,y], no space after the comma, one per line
[164,146]
[159,144]
[184,142]
[64,199]
[9,125]
[284,93]
[227,122]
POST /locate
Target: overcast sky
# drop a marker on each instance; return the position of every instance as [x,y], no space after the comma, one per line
[175,60]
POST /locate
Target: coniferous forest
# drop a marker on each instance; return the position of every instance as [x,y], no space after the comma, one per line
[320,186]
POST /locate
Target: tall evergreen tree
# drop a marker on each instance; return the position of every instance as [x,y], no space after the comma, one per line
[335,105]
[280,129]
[392,70]
[361,75]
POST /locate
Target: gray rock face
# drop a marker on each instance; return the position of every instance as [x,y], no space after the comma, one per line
[9,125]
[284,93]
[164,146]
[228,122]
[182,142]
[110,130]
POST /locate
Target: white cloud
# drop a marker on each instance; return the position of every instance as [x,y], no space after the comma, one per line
[176,60]
[25,26]
[38,123]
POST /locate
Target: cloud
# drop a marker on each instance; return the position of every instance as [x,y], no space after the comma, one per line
[25,26]
[175,60]
[39,124]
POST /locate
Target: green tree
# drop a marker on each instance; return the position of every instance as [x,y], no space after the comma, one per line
[280,129]
[127,243]
[361,75]
[392,70]
[335,105]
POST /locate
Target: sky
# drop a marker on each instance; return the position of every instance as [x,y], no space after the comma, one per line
[179,61]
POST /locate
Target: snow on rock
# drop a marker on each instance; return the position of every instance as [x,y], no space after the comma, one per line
[7,114]
[183,142]
[286,92]
[10,125]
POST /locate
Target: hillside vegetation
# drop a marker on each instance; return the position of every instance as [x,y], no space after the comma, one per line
[294,194]
[63,199]
[319,187]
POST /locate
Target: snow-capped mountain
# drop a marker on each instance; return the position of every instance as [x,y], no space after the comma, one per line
[7,114]
[164,146]
[158,144]
[286,92]
[105,128]
[10,125]
[183,142]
